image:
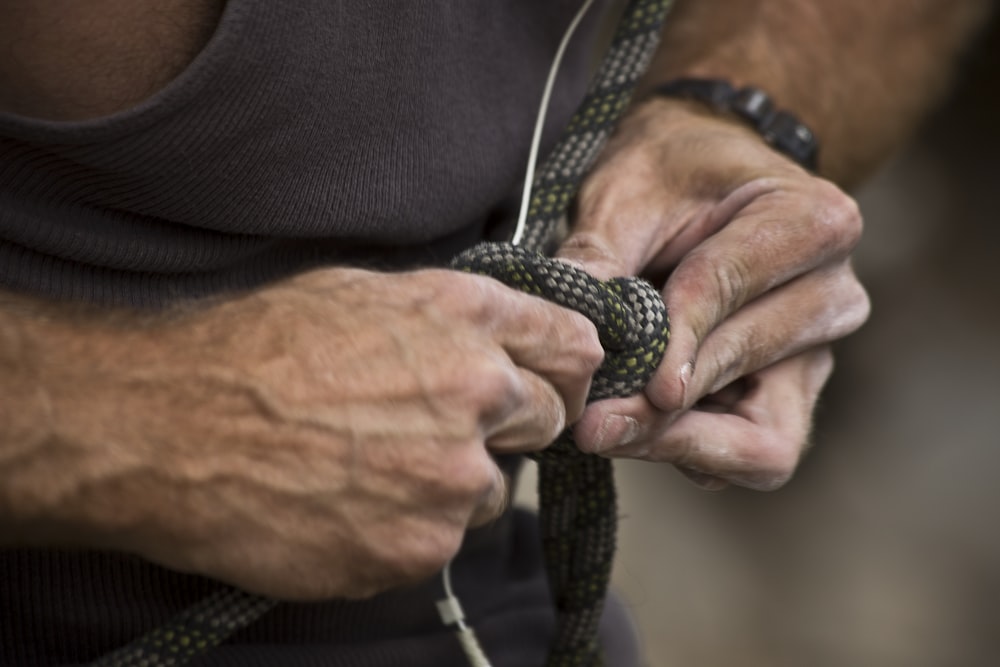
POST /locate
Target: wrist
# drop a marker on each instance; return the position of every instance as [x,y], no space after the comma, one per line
[779,128]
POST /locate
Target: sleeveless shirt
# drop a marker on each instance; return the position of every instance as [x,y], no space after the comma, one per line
[305,133]
[382,133]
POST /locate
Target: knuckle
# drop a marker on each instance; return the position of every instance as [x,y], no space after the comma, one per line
[465,293]
[468,475]
[459,392]
[479,380]
[584,345]
[776,469]
[401,553]
[859,305]
[689,296]
[492,388]
[837,216]
[772,457]
[432,551]
[569,343]
[553,423]
[850,308]
[462,296]
[731,281]
[420,552]
[409,549]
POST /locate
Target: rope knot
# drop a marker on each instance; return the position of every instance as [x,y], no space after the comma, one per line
[629,313]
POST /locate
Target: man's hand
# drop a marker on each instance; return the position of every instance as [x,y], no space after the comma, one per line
[325,437]
[753,255]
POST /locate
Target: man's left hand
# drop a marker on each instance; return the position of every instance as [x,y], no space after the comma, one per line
[753,256]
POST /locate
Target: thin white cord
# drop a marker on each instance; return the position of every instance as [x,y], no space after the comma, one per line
[540,124]
[446,580]
[450,609]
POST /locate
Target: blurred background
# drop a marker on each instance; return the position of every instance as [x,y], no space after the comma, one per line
[884,551]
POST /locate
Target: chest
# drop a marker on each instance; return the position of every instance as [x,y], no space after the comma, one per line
[79,60]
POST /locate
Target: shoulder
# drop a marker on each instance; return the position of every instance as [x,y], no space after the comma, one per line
[84,59]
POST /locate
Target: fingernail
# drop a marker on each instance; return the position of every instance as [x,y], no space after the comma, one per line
[616,431]
[687,370]
[706,482]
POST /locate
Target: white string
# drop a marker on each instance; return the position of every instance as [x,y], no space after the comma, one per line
[536,140]
[451,613]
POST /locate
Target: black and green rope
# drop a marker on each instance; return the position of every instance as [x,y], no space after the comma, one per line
[558,178]
[577,506]
[196,630]
[577,500]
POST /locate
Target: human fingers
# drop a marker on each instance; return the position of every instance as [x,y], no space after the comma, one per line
[494,502]
[654,193]
[783,233]
[547,342]
[526,414]
[812,310]
[753,436]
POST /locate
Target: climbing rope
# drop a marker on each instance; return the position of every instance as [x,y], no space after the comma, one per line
[576,491]
[577,508]
[201,627]
[577,503]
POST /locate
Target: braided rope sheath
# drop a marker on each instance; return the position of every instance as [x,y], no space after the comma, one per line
[196,630]
[577,500]
[558,179]
[577,494]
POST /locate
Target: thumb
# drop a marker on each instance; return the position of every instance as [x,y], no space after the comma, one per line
[598,254]
[614,232]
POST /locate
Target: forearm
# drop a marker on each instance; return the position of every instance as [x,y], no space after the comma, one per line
[25,416]
[97,414]
[64,399]
[859,73]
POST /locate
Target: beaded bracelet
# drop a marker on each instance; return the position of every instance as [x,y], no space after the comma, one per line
[780,129]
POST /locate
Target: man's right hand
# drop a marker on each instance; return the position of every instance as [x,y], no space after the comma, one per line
[329,436]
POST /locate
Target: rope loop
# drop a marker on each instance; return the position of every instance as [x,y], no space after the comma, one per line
[629,313]
[577,499]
